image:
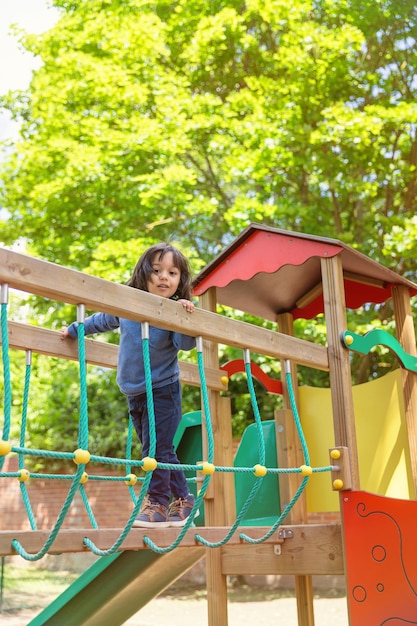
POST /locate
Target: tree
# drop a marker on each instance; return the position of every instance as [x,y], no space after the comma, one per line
[190,119]
[152,119]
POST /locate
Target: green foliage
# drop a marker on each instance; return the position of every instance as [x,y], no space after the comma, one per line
[53,410]
[188,120]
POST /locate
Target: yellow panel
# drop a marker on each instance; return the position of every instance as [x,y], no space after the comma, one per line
[384,458]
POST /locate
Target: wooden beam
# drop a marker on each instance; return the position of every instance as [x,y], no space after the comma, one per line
[215,507]
[294,458]
[73,540]
[65,285]
[310,549]
[406,336]
[365,280]
[339,364]
[313,549]
[45,341]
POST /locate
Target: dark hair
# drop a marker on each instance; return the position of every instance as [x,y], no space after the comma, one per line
[143,270]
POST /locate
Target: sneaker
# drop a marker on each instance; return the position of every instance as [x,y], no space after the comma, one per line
[179,510]
[152,515]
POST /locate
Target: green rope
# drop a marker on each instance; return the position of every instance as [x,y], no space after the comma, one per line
[23,487]
[88,506]
[304,482]
[129,457]
[61,517]
[6,376]
[210,454]
[257,484]
[83,442]
[152,448]
[129,463]
[83,428]
[258,420]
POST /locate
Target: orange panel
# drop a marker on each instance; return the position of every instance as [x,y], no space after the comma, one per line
[381,551]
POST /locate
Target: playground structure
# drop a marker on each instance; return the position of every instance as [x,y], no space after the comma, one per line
[279,276]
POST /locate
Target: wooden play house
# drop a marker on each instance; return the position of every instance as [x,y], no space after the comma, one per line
[280,276]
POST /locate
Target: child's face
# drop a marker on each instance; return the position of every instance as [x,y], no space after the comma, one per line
[165,277]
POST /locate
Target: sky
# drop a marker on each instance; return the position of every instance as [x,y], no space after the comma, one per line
[16,66]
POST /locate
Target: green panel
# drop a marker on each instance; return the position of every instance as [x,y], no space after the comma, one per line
[265,509]
[189,449]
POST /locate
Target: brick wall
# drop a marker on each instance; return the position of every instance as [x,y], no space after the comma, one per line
[110,501]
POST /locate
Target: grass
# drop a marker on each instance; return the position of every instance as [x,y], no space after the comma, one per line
[28,587]
[25,586]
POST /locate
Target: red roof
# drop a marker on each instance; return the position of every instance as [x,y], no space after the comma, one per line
[267,271]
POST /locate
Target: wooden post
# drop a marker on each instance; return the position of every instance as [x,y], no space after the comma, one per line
[339,365]
[215,509]
[339,370]
[406,336]
[290,442]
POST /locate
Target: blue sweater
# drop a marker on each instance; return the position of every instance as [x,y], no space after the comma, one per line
[164,346]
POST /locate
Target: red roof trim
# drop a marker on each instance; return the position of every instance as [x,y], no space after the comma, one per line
[264,251]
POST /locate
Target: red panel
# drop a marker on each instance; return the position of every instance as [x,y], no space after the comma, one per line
[272,385]
[356,295]
[265,252]
[381,549]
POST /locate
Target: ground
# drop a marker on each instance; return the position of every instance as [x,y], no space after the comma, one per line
[186,605]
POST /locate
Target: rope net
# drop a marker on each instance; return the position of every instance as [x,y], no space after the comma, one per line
[82,456]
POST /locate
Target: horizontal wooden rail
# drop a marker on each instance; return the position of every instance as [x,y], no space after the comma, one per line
[73,540]
[49,280]
[292,550]
[313,549]
[44,341]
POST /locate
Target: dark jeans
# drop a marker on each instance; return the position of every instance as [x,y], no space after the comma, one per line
[168,414]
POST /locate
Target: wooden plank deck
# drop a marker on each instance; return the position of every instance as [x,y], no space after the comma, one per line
[301,549]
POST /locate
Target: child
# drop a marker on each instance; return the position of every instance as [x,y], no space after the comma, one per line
[164,271]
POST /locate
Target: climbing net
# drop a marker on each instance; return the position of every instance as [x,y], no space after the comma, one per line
[82,456]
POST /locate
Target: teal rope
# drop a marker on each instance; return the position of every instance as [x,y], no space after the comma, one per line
[83,429]
[296,415]
[88,506]
[23,488]
[304,482]
[83,442]
[152,448]
[210,452]
[257,484]
[61,517]
[258,421]
[129,457]
[6,377]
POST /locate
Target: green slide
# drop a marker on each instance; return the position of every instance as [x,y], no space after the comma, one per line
[116,587]
[266,508]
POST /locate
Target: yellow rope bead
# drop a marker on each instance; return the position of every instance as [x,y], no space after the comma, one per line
[84,478]
[24,475]
[131,479]
[207,468]
[259,470]
[5,447]
[149,464]
[81,456]
[306,470]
